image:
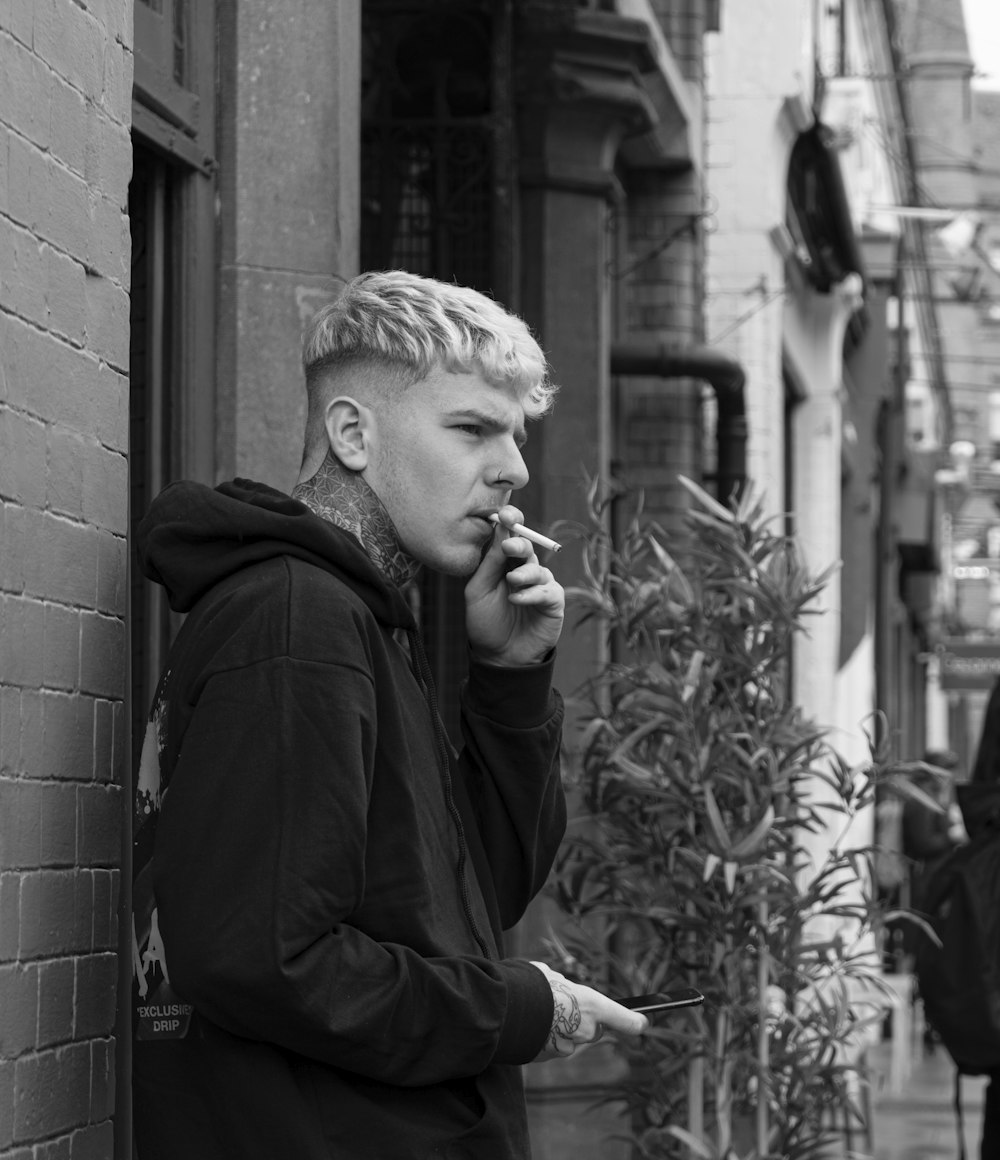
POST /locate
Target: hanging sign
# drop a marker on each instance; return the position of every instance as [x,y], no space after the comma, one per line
[969,664]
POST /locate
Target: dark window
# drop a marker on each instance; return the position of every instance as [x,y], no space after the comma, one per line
[173,286]
[166,71]
[171,429]
[151,451]
[436,194]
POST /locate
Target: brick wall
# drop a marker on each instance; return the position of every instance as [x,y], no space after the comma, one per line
[65,161]
[663,296]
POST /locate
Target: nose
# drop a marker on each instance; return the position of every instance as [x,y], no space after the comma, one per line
[513,473]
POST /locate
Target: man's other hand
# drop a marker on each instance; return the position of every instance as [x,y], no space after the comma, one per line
[514,606]
[581,1016]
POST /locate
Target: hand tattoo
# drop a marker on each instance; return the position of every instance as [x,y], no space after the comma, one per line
[566,1017]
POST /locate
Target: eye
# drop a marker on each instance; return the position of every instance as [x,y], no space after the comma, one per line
[471,428]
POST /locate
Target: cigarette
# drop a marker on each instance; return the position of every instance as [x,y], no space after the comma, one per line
[530,534]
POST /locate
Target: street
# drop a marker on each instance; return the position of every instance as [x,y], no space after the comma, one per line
[920,1123]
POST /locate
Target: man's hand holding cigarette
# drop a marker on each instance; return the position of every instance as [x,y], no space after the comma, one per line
[514,606]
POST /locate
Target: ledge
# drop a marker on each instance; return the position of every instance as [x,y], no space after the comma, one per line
[593,83]
[671,143]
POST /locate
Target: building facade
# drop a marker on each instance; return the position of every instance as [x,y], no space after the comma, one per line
[952,401]
[186,183]
[790,295]
[830,279]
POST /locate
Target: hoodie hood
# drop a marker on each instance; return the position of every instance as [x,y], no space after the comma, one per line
[195,536]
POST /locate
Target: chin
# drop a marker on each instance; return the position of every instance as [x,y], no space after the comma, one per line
[460,562]
[462,569]
[449,554]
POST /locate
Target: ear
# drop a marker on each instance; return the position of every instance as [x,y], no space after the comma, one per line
[349,429]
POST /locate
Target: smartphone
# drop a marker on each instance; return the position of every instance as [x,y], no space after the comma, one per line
[663,1000]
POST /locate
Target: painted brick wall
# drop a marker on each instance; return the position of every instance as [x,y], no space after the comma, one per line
[65,162]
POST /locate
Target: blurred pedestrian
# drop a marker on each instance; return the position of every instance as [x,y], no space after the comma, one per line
[930,829]
[980,802]
[928,836]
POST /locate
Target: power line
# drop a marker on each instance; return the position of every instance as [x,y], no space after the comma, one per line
[930,18]
[737,322]
[955,383]
[687,227]
[973,360]
[901,164]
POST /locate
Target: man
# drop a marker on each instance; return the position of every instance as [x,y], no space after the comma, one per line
[980,809]
[329,880]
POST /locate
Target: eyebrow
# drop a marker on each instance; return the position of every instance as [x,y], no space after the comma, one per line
[492,421]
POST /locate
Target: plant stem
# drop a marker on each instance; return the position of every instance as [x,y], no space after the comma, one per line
[763,1043]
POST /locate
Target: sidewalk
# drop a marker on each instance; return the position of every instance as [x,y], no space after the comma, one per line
[920,1123]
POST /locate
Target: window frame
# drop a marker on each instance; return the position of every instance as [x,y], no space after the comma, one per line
[177,123]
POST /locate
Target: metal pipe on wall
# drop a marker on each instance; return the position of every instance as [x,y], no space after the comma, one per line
[723,374]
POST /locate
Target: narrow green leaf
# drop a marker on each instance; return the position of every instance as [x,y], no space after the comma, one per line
[707,501]
[698,1146]
[715,822]
[667,563]
[752,841]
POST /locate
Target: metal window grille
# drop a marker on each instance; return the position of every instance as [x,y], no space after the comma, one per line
[436,193]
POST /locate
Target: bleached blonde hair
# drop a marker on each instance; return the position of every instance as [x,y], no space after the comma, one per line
[392,328]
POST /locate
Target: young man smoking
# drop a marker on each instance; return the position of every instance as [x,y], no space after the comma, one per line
[330,881]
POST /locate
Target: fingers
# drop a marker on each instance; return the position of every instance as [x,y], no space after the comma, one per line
[510,515]
[512,560]
[614,1017]
[581,1015]
[523,579]
[511,522]
[504,548]
[528,580]
[514,605]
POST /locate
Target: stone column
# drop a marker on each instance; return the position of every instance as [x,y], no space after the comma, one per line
[582,97]
[815,325]
[814,336]
[288,214]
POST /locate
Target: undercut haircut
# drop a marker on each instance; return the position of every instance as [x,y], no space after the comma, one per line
[390,329]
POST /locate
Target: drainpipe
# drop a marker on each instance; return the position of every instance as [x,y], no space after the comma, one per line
[723,374]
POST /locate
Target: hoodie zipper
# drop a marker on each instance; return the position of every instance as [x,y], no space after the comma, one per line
[422,671]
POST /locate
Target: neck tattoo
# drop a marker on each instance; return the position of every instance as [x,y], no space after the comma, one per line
[343,497]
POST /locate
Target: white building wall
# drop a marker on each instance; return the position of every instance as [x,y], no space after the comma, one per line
[756,63]
[814,327]
[760,70]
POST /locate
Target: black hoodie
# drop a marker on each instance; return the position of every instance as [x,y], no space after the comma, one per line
[330,880]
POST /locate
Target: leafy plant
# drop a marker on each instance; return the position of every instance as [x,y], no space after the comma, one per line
[716,846]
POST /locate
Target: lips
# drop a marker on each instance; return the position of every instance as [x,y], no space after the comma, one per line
[484,514]
[486,527]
